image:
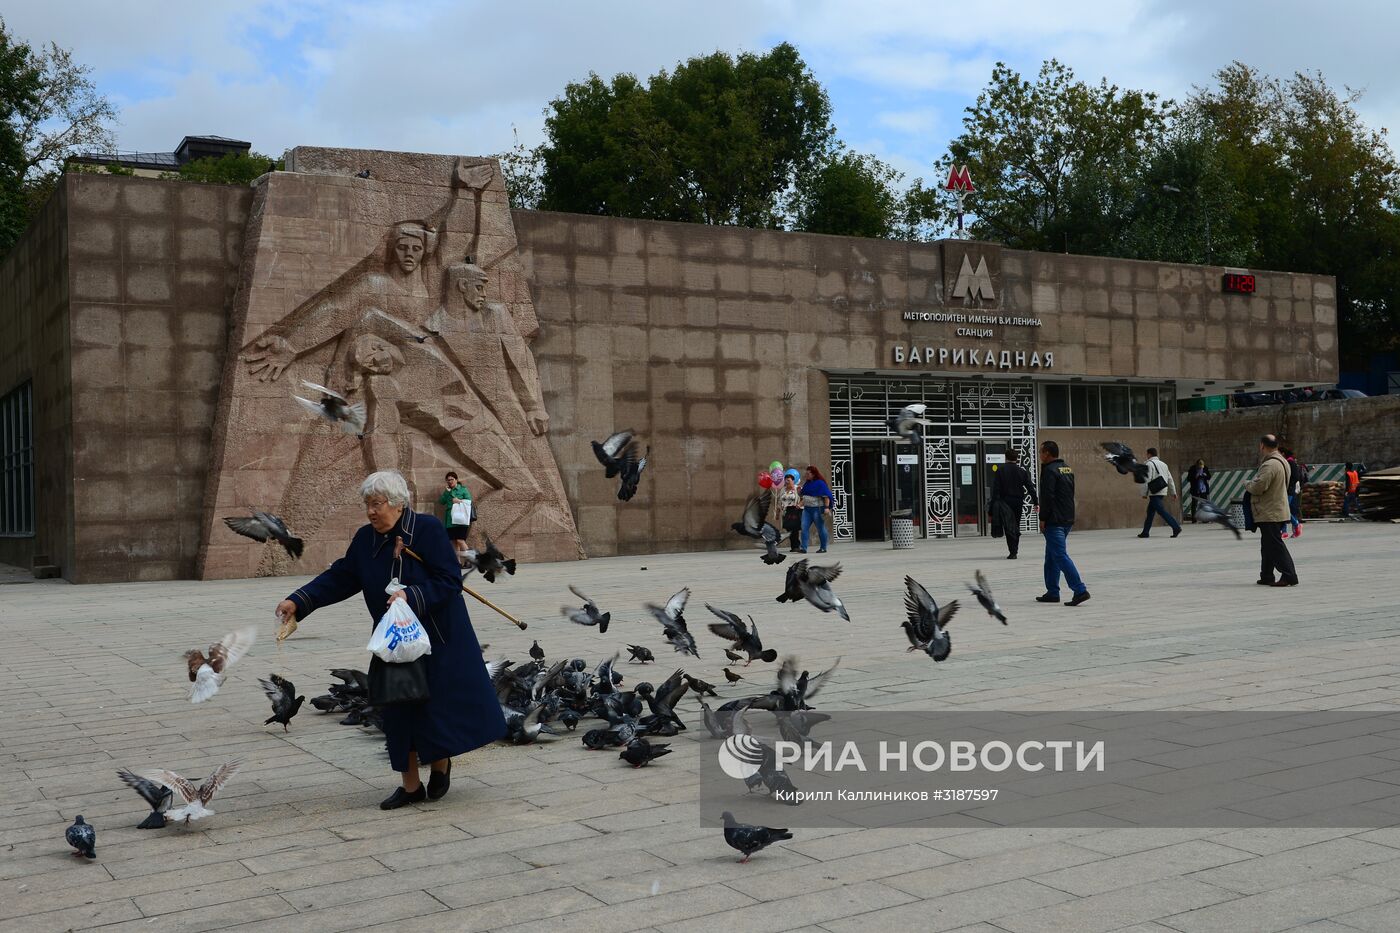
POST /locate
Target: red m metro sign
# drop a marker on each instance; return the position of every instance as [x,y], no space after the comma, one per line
[959,179]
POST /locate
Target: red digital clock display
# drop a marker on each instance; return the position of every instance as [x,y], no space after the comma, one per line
[1239,283]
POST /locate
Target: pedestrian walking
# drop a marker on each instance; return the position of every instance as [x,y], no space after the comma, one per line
[456,502]
[1056,520]
[461,711]
[1350,499]
[790,509]
[1297,476]
[1197,484]
[1268,497]
[1011,484]
[816,503]
[1159,485]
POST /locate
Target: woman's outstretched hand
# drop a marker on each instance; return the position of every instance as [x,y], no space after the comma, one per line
[287,613]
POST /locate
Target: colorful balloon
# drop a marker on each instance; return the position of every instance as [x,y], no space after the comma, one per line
[777,477]
[796,476]
[776,465]
[765,481]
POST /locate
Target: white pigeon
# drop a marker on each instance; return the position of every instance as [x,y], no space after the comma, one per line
[906,423]
[334,407]
[196,800]
[207,672]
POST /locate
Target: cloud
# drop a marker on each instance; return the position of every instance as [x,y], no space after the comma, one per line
[919,121]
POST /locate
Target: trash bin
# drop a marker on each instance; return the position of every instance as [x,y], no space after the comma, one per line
[902,529]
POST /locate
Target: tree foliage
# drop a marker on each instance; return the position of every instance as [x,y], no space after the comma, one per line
[850,194]
[233,168]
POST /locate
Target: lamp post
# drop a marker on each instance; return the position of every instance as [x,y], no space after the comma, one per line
[1200,206]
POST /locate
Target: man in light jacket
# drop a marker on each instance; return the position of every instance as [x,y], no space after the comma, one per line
[1268,493]
[1157,473]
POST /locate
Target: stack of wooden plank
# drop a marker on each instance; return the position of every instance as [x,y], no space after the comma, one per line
[1380,495]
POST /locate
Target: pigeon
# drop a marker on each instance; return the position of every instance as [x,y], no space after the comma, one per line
[927,624]
[640,752]
[813,584]
[196,800]
[588,615]
[609,451]
[207,673]
[262,526]
[598,739]
[488,561]
[362,173]
[672,619]
[749,839]
[752,523]
[793,690]
[1210,513]
[907,423]
[536,651]
[717,724]
[983,592]
[285,702]
[353,680]
[524,728]
[745,638]
[700,687]
[770,556]
[1124,461]
[641,654]
[82,837]
[334,408]
[632,467]
[151,792]
[732,677]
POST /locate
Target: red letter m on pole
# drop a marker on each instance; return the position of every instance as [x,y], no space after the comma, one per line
[959,179]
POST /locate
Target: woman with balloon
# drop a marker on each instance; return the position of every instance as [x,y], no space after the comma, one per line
[816,503]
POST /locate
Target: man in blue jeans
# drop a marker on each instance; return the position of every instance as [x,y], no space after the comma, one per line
[1056,519]
[1158,475]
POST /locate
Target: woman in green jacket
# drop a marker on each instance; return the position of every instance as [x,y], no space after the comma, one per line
[457,531]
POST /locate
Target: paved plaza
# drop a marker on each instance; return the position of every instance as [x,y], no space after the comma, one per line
[554,837]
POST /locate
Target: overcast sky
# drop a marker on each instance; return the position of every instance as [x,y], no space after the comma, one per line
[457,76]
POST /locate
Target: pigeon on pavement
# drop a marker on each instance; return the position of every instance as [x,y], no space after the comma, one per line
[285,702]
[195,799]
[588,615]
[672,619]
[536,651]
[333,407]
[1208,512]
[813,583]
[983,592]
[745,638]
[207,672]
[82,837]
[749,839]
[700,687]
[730,676]
[926,626]
[261,526]
[154,794]
[907,423]
[640,752]
[641,654]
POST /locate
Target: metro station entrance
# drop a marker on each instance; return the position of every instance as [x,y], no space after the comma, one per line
[886,477]
[975,463]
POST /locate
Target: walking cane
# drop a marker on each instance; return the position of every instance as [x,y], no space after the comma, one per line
[475,595]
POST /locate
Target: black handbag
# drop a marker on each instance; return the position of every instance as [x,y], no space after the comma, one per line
[792,518]
[1157,485]
[391,684]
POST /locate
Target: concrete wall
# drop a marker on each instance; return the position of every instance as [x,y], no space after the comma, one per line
[34,346]
[1364,430]
[1103,497]
[152,266]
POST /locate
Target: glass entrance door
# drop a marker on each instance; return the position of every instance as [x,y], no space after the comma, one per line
[975,463]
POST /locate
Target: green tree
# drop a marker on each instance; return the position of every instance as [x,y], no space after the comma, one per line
[720,140]
[20,87]
[233,168]
[521,170]
[849,194]
[1055,160]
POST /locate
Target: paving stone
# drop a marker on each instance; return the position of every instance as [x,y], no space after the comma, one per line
[954,910]
[1100,913]
[1283,908]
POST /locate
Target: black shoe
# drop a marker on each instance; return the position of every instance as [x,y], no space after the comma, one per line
[1010,556]
[1047,598]
[821,550]
[1265,582]
[401,797]
[1175,533]
[1079,599]
[1143,535]
[1284,583]
[439,782]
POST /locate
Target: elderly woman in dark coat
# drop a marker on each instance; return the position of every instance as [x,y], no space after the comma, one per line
[462,712]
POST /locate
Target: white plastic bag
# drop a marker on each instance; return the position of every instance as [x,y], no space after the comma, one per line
[462,512]
[399,636]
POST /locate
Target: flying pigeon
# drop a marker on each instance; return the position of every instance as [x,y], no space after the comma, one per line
[927,624]
[641,654]
[771,557]
[745,638]
[536,651]
[983,592]
[207,673]
[195,799]
[609,451]
[752,523]
[82,837]
[588,615]
[640,752]
[334,408]
[1210,513]
[907,423]
[285,702]
[151,792]
[1124,460]
[488,561]
[262,526]
[749,839]
[632,467]
[672,619]
[813,584]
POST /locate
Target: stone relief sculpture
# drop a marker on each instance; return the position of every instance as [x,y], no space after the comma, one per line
[447,377]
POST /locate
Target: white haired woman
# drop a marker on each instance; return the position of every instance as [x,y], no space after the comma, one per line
[461,712]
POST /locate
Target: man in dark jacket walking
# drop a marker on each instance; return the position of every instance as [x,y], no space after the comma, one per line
[1056,519]
[1010,486]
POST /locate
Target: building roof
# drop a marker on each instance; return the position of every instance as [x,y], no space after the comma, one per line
[164,161]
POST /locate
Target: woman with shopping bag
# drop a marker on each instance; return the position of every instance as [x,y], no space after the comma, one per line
[456,502]
[460,712]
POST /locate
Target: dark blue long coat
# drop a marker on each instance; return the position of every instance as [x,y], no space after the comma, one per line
[462,712]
